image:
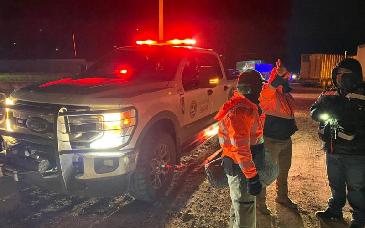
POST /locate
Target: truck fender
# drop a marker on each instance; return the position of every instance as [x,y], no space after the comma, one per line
[168,116]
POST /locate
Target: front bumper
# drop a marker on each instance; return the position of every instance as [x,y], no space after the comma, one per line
[41,151]
[91,174]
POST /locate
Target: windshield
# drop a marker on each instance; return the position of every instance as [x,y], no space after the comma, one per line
[140,64]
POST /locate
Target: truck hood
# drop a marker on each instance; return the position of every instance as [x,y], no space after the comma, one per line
[86,90]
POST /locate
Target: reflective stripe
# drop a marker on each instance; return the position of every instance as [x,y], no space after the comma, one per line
[239,142]
[339,134]
[223,135]
[345,136]
[355,96]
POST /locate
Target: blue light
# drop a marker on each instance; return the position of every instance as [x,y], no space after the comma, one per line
[263,67]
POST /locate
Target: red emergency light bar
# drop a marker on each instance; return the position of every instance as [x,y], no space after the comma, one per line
[171,42]
[146,42]
[178,42]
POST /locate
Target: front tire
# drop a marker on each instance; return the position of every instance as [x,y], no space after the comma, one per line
[150,181]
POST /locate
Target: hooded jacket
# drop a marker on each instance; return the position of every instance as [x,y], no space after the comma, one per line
[277,105]
[349,112]
[240,126]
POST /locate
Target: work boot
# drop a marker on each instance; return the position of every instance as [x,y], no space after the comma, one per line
[328,215]
[356,224]
[285,201]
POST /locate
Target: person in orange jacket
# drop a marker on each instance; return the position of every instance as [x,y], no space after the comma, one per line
[277,105]
[241,137]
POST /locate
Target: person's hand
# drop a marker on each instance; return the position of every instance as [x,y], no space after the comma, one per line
[254,185]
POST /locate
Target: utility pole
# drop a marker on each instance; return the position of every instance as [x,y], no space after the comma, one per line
[160,20]
[74,44]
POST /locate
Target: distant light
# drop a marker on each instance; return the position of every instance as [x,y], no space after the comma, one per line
[146,42]
[137,29]
[294,76]
[14,43]
[56,49]
[263,67]
[123,71]
[41,30]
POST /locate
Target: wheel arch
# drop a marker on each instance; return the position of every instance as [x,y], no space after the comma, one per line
[166,121]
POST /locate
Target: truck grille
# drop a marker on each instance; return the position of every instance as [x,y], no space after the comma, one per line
[33,119]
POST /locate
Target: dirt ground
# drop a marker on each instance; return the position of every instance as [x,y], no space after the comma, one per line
[191,201]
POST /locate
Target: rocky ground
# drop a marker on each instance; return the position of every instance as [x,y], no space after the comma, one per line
[191,202]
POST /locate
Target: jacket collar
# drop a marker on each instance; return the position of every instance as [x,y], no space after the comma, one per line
[236,100]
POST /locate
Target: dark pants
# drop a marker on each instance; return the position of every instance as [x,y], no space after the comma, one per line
[347,171]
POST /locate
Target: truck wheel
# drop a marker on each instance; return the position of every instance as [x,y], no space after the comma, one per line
[150,181]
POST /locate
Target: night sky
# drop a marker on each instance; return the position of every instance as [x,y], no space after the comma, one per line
[238,29]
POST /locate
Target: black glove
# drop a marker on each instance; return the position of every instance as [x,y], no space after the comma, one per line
[254,186]
[278,81]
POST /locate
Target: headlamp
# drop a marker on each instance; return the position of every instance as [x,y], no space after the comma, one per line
[324,116]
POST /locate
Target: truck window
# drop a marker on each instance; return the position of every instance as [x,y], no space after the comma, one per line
[206,59]
[135,65]
[190,75]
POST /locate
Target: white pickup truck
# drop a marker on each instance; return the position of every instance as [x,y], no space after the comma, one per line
[115,126]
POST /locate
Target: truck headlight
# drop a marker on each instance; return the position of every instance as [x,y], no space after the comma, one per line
[117,129]
[101,131]
[9,101]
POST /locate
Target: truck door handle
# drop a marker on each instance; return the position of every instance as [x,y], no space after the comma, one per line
[210,92]
[225,88]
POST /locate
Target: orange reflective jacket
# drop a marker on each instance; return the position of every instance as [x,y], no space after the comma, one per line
[274,101]
[239,127]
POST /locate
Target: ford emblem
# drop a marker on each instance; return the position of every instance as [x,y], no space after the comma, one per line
[37,125]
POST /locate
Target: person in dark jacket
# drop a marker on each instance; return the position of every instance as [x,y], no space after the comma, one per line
[341,116]
[277,104]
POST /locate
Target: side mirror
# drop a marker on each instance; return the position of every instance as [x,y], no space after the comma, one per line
[208,77]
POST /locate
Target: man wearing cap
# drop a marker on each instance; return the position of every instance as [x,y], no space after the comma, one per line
[240,136]
[277,105]
[341,116]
